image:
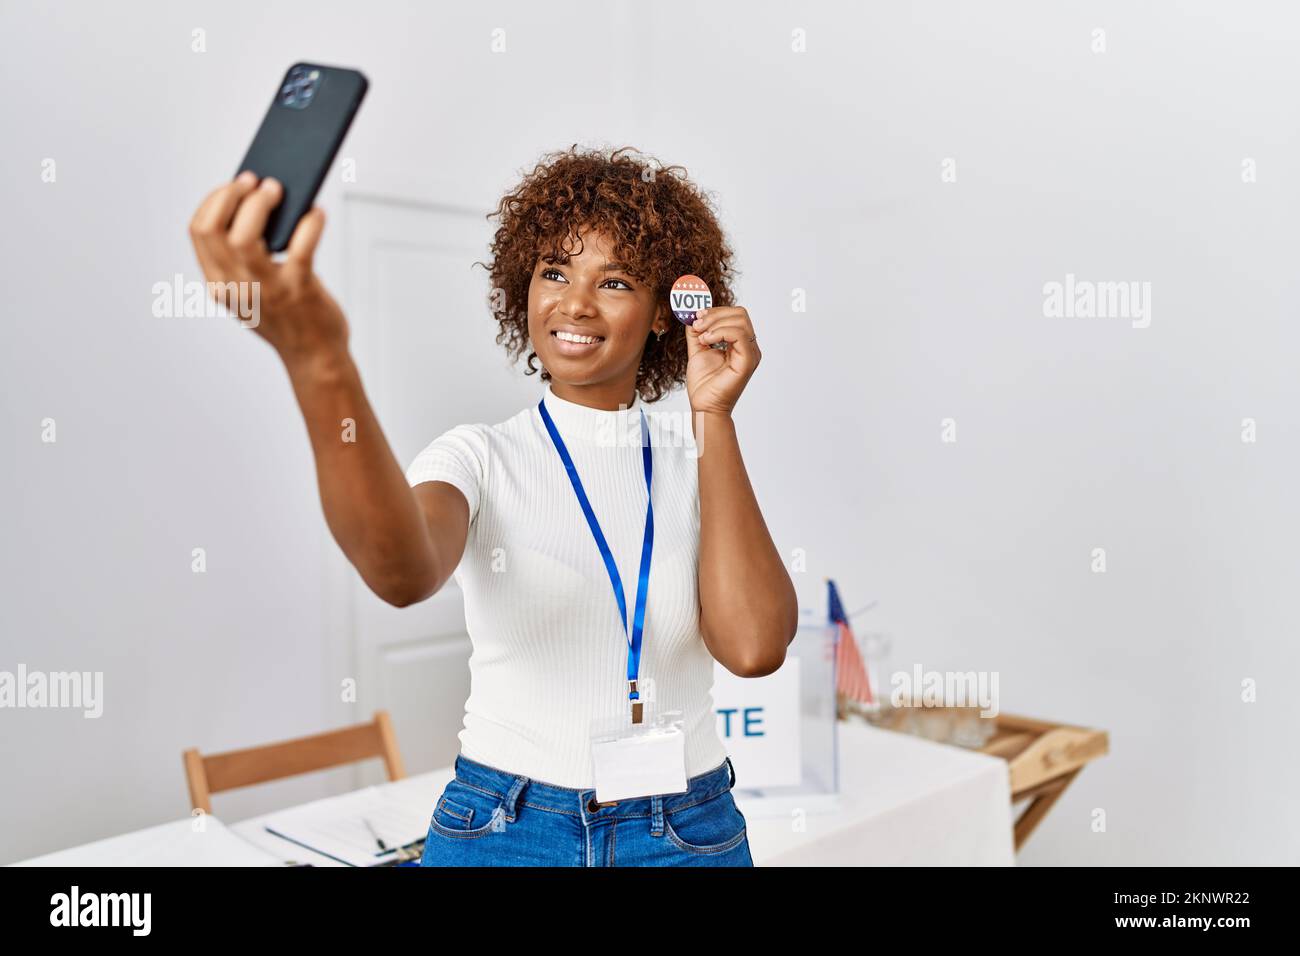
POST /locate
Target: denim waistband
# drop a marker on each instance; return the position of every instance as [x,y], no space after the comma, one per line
[515,788]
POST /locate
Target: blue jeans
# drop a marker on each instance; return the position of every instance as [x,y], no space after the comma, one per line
[489,817]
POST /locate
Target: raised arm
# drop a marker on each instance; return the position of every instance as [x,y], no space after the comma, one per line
[405,542]
[749,610]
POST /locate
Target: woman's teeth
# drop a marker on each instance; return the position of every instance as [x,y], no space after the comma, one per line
[580,339]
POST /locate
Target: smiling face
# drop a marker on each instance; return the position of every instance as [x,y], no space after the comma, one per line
[603,316]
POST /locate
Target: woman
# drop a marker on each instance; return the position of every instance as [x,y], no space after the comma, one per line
[544,519]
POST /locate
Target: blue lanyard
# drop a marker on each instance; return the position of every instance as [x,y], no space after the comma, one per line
[647,546]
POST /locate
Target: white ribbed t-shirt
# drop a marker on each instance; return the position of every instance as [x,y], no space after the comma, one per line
[549,648]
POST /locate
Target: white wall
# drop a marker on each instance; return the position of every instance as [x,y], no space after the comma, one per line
[924,302]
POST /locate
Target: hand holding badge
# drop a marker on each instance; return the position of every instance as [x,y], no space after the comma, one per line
[722,348]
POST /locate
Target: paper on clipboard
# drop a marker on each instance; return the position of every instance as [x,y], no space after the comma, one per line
[336,826]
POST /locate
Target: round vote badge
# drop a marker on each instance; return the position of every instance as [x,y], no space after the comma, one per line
[689,294]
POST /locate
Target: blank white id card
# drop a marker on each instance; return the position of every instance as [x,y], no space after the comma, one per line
[639,763]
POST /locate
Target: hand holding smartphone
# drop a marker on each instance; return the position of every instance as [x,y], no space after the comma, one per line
[268,208]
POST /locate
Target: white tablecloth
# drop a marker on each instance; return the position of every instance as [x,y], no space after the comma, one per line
[904,801]
[169,844]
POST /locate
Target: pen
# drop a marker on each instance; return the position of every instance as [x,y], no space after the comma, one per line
[382,845]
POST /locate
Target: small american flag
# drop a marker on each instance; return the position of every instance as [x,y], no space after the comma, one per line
[852,679]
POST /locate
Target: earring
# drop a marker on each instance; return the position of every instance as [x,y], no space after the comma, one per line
[660,335]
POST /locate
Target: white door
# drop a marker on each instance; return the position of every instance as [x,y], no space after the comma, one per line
[423,338]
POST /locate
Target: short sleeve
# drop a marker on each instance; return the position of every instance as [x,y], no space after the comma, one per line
[458,457]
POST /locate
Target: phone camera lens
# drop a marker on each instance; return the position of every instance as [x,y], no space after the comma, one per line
[299,87]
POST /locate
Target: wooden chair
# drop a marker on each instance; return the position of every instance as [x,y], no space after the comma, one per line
[242,768]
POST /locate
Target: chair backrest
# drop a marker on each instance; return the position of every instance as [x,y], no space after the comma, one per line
[212,773]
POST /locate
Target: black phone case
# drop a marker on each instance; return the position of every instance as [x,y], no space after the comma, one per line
[298,146]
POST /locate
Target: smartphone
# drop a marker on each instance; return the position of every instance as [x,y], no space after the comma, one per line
[299,138]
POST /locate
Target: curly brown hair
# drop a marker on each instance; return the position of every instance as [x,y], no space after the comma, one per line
[658,221]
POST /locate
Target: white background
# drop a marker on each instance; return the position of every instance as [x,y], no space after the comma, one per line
[924,303]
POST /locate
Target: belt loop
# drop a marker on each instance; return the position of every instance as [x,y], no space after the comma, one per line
[732,771]
[512,796]
[657,815]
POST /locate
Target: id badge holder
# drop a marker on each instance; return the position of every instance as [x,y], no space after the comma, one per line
[638,760]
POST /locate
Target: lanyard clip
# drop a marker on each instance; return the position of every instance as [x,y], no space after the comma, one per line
[637,704]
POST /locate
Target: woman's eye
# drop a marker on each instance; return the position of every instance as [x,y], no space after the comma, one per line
[555,273]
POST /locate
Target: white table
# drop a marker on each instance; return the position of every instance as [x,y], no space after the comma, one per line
[904,801]
[187,842]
